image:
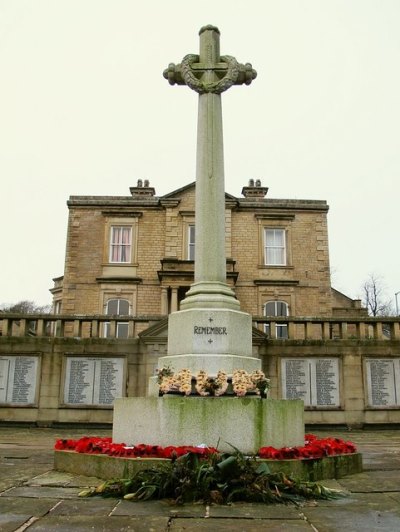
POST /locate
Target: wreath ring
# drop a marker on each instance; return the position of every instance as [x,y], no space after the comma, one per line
[215,87]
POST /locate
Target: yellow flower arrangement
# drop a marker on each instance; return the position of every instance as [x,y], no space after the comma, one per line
[180,382]
[206,385]
[242,382]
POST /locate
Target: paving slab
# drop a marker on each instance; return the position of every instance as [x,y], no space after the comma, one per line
[51,478]
[16,472]
[39,492]
[238,525]
[83,523]
[164,507]
[371,500]
[372,481]
[91,506]
[255,511]
[237,510]
[80,481]
[25,505]
[11,522]
[61,479]
[357,518]
[378,458]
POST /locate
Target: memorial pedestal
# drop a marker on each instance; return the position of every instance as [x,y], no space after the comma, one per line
[223,422]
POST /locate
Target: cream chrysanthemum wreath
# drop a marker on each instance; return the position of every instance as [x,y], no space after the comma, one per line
[183,382]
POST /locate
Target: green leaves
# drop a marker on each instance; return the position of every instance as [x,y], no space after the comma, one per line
[218,479]
[228,467]
[262,469]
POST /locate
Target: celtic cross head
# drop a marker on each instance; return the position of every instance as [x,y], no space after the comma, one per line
[209,72]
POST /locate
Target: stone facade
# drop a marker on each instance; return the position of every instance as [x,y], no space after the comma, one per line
[140,356]
[154,277]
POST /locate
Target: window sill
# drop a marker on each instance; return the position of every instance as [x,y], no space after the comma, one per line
[274,267]
[120,264]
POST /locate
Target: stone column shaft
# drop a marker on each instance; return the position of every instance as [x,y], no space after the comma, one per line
[164,300]
[210,289]
[210,262]
[174,299]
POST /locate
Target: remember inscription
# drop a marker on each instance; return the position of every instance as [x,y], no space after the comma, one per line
[209,330]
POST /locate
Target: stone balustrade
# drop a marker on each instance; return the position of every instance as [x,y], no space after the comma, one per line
[288,328]
[335,328]
[72,326]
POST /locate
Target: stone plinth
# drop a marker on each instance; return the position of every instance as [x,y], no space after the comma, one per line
[245,423]
[210,340]
[112,467]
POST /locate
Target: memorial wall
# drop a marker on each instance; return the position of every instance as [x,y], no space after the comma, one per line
[383,382]
[19,380]
[93,381]
[47,381]
[314,380]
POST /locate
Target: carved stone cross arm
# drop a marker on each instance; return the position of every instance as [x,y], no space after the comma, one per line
[209,71]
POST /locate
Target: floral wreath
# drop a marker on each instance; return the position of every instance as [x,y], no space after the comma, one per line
[187,384]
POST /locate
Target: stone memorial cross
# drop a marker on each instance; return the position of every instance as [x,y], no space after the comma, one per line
[210,74]
[209,333]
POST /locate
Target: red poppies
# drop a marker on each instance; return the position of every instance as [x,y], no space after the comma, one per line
[106,446]
[313,448]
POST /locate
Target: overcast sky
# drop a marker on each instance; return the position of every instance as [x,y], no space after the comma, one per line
[84,110]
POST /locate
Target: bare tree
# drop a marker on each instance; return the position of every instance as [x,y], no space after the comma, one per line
[25,307]
[375,298]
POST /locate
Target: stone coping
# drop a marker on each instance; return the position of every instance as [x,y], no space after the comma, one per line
[108,467]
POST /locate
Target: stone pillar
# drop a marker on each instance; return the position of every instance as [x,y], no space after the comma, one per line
[164,300]
[174,299]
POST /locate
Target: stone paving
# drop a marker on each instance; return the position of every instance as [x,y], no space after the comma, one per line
[33,497]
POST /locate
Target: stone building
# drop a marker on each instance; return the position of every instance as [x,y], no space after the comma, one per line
[134,255]
[129,261]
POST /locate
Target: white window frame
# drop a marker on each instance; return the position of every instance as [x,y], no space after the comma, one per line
[191,241]
[274,248]
[120,325]
[123,250]
[281,329]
